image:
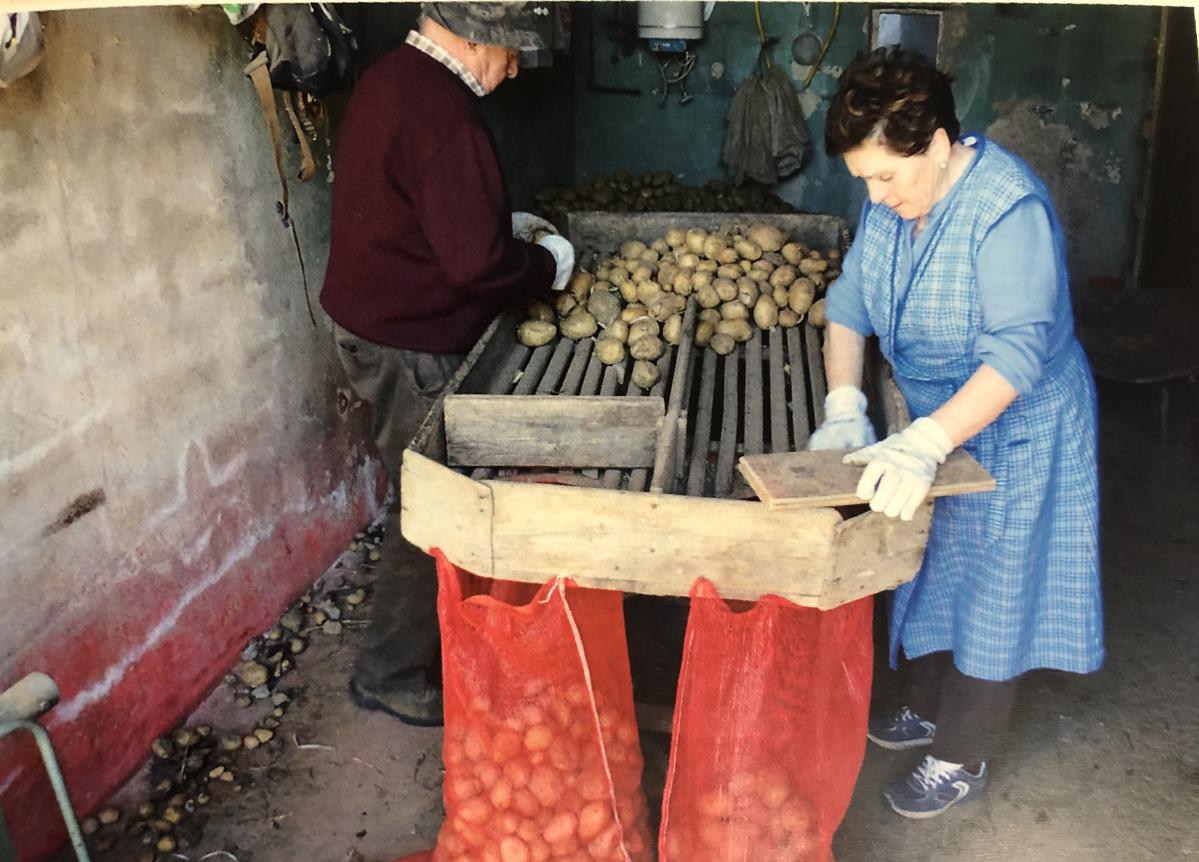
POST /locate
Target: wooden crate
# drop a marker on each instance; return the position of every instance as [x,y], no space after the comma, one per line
[633,510]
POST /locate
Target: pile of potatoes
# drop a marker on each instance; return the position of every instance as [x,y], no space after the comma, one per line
[633,303]
[532,787]
[755,816]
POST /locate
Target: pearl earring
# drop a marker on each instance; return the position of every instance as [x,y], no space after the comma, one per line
[943,165]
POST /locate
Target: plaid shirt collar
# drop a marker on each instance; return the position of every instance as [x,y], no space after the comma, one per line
[428,46]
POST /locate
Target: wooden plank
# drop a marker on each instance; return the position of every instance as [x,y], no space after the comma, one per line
[799,390]
[533,371]
[730,419]
[578,365]
[659,544]
[698,471]
[674,427]
[780,440]
[441,508]
[794,480]
[553,372]
[591,379]
[550,431]
[754,408]
[640,477]
[613,374]
[815,372]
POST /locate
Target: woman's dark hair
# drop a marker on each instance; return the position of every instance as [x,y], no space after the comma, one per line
[896,95]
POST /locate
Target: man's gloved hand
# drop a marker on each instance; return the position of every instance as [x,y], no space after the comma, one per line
[564,257]
[525,226]
[900,470]
[845,425]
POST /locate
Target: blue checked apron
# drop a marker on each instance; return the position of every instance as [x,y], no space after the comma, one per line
[1010,579]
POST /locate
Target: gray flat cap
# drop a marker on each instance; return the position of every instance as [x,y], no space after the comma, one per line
[518,26]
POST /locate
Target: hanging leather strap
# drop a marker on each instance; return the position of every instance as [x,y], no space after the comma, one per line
[260,75]
[308,163]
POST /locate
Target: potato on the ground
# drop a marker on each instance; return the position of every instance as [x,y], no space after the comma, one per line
[740,330]
[609,350]
[645,373]
[816,313]
[534,333]
[579,324]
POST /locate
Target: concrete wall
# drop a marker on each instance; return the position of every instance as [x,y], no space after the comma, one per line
[174,469]
[1067,87]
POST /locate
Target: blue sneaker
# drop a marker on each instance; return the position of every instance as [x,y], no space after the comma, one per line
[934,787]
[901,729]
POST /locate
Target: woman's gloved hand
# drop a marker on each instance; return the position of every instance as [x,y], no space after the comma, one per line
[564,257]
[900,470]
[526,225]
[845,425]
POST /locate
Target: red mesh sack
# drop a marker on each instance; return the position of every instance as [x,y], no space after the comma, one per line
[769,729]
[542,756]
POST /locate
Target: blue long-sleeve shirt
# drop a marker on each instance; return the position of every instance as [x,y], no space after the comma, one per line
[1017,272]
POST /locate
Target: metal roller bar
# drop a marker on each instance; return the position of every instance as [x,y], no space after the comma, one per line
[815,372]
[753,422]
[701,442]
[729,421]
[799,389]
[780,441]
[548,384]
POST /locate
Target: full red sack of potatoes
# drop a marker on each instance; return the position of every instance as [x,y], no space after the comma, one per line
[769,730]
[542,758]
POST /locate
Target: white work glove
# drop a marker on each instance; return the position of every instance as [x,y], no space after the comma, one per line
[564,257]
[845,425]
[525,226]
[900,470]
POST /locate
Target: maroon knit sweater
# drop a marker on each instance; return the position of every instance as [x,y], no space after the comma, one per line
[422,255]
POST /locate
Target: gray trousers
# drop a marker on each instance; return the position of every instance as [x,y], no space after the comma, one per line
[972,715]
[401,646]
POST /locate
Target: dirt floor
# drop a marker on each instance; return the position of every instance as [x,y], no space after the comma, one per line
[1096,768]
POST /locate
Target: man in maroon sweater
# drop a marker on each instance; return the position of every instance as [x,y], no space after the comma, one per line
[422,259]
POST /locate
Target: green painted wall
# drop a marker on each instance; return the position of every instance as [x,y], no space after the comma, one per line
[1067,87]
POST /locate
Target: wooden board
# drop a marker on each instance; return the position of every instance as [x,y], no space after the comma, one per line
[798,480]
[441,508]
[551,431]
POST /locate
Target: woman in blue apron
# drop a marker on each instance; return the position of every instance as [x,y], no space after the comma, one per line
[958,267]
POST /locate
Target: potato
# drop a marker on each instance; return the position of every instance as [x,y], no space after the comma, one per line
[707,296]
[704,331]
[766,237]
[666,274]
[688,261]
[632,311]
[618,276]
[672,329]
[632,249]
[763,265]
[618,329]
[609,351]
[740,330]
[695,240]
[660,246]
[580,286]
[579,324]
[712,315]
[665,306]
[534,333]
[722,343]
[650,256]
[707,266]
[647,292]
[793,253]
[816,314]
[684,282]
[748,292]
[734,310]
[748,250]
[788,318]
[541,311]
[643,327]
[643,273]
[766,313]
[801,294]
[783,276]
[730,270]
[812,264]
[781,297]
[833,256]
[700,278]
[818,279]
[645,373]
[726,289]
[714,245]
[761,276]
[649,347]
[602,272]
[564,304]
[676,237]
[729,255]
[603,306]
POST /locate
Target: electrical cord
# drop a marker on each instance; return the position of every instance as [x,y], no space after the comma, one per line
[828,40]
